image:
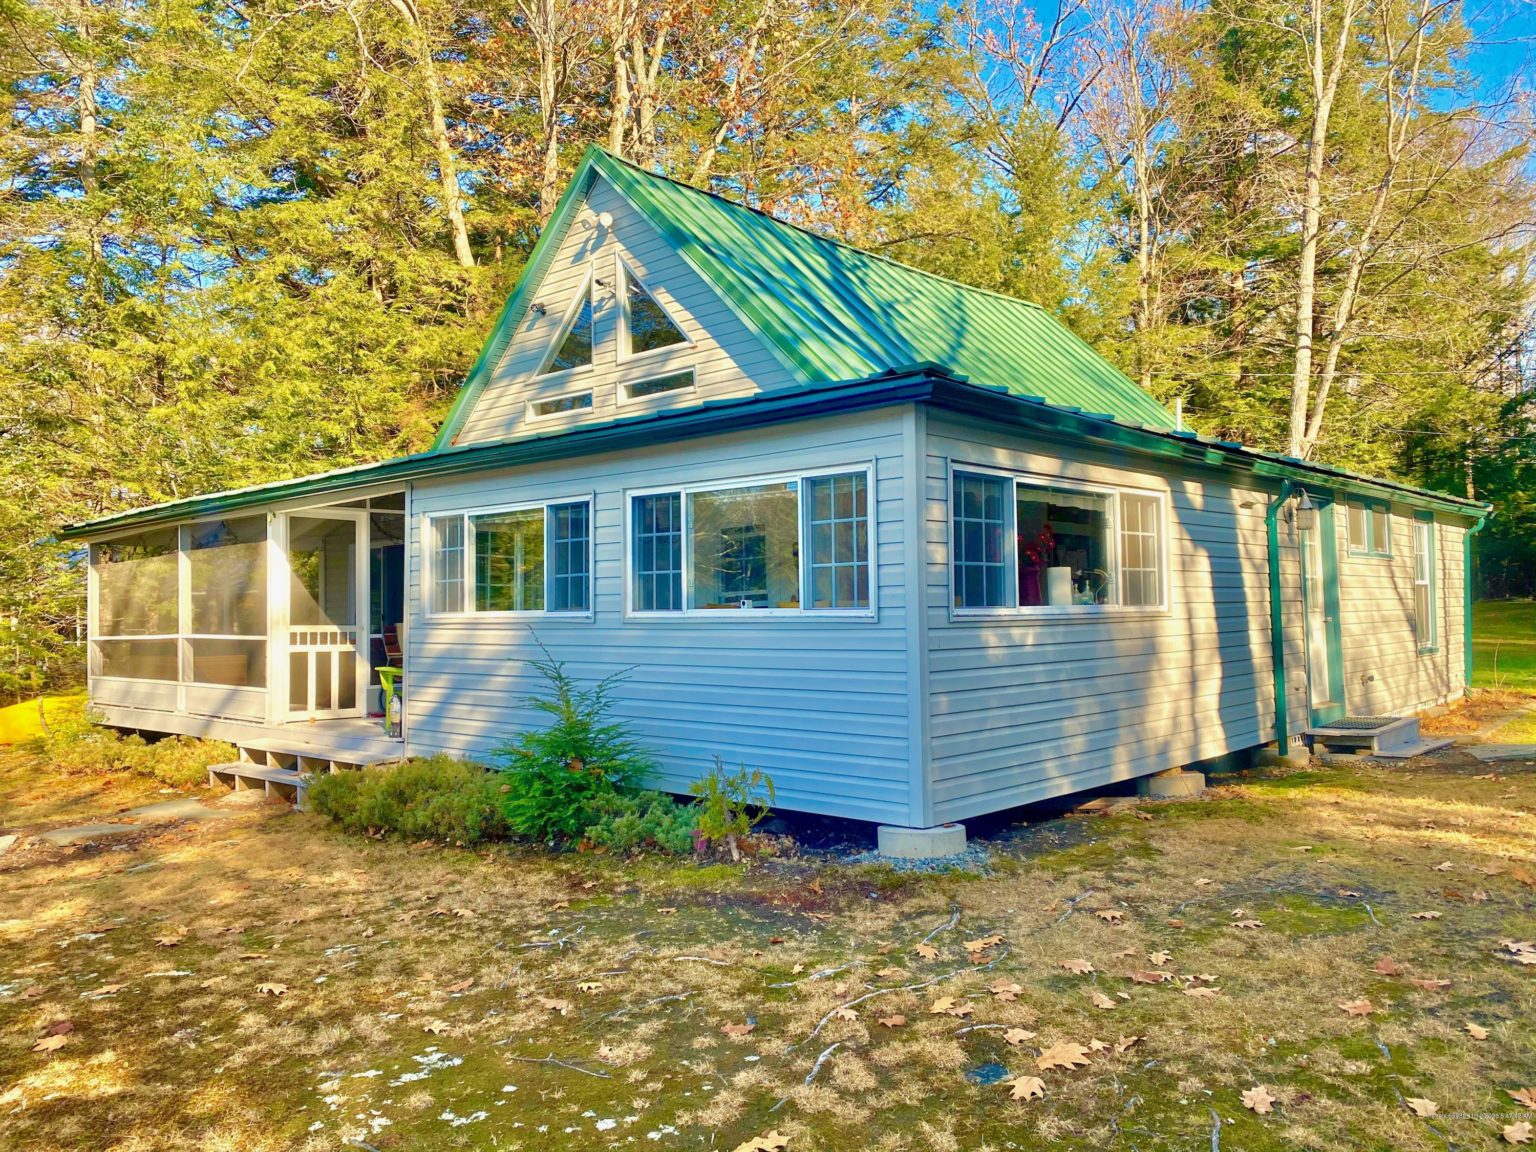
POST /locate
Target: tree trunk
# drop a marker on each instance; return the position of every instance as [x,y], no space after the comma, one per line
[90,180]
[447,165]
[618,111]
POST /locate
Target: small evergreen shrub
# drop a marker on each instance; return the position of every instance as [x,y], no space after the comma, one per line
[78,746]
[731,804]
[557,776]
[433,798]
[643,820]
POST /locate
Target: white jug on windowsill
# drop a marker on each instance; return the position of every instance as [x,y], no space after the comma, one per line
[1058,585]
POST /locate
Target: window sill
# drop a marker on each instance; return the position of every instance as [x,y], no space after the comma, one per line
[472,617]
[1432,650]
[745,614]
[1357,554]
[1074,612]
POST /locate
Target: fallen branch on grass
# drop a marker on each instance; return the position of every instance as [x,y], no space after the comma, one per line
[550,1059]
[822,975]
[954,919]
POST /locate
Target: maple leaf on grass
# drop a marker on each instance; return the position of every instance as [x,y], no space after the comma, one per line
[927,951]
[1248,924]
[1387,966]
[1258,1099]
[1016,1036]
[1026,1088]
[1063,1055]
[1160,958]
[1151,977]
[1110,915]
[589,986]
[983,944]
[1518,1132]
[844,1014]
[463,985]
[272,989]
[1476,1030]
[1126,1043]
[737,1029]
[1525,1097]
[1419,1106]
[896,1021]
[1102,1001]
[768,1142]
[552,1005]
[1429,984]
[949,1006]
[891,973]
[1006,990]
[51,1043]
[1358,1007]
[1081,967]
[436,1027]
[1201,991]
[1426,916]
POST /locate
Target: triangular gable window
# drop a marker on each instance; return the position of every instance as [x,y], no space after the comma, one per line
[645,320]
[575,347]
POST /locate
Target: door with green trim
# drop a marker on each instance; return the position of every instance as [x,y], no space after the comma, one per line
[1320,597]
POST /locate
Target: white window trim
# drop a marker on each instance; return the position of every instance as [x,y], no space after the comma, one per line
[690,390]
[545,375]
[1015,610]
[624,274]
[1427,645]
[683,491]
[535,414]
[468,611]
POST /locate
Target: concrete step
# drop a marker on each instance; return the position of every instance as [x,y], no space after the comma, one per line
[1385,737]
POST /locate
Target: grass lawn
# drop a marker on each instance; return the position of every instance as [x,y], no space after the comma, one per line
[1504,645]
[262,982]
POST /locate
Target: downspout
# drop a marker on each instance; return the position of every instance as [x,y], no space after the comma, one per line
[1466,585]
[1277,617]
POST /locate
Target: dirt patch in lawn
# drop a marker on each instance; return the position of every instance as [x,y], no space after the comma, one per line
[264,983]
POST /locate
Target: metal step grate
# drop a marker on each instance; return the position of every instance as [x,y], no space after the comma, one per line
[1362,723]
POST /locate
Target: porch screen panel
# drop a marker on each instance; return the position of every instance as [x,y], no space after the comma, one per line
[227,571]
[134,634]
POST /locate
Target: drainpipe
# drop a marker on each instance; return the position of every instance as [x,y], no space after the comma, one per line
[1466,584]
[1277,617]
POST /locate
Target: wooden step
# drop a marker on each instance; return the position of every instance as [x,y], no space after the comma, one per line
[284,783]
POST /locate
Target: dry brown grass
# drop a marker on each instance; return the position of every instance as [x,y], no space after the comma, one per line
[373,940]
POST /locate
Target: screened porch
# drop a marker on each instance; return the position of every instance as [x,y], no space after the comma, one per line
[261,617]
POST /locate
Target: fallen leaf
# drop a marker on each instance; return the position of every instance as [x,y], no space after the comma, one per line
[1151,977]
[50,1043]
[463,985]
[1202,882]
[1126,1043]
[550,1005]
[109,990]
[1524,875]
[589,986]
[666,911]
[896,1021]
[1202,991]
[1102,1001]
[1259,1100]
[1029,1088]
[59,1028]
[1422,1107]
[891,973]
[983,944]
[1175,923]
[1476,1030]
[1140,815]
[1518,1132]
[464,913]
[737,1029]
[1387,966]
[271,989]
[844,1014]
[1426,916]
[1248,924]
[171,941]
[1081,967]
[1097,1045]
[1525,1096]
[1064,1055]
[927,951]
[1444,866]
[797,969]
[949,1006]
[1349,894]
[436,1027]
[1016,1036]
[1006,990]
[1430,985]
[32,993]
[1123,953]
[1160,958]
[770,1142]
[1358,1007]
[1110,915]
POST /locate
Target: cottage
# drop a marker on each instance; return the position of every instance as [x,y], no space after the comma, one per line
[910,546]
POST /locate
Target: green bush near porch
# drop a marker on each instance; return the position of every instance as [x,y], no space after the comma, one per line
[435,798]
[75,744]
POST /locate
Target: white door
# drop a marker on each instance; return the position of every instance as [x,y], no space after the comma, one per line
[327,614]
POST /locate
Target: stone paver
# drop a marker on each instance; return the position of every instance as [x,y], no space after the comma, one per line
[1503,751]
[83,833]
[185,808]
[6,842]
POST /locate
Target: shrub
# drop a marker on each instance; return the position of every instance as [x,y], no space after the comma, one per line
[433,798]
[76,745]
[625,823]
[558,775]
[731,804]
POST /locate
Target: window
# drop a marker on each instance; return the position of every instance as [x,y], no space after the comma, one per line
[1370,528]
[657,552]
[529,559]
[839,540]
[574,349]
[1425,624]
[739,547]
[227,570]
[576,402]
[1027,543]
[672,382]
[646,323]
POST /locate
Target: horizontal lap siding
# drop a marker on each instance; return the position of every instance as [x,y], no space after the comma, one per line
[1024,709]
[822,705]
[1384,672]
[728,359]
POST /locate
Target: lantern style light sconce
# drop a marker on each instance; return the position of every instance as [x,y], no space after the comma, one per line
[1306,513]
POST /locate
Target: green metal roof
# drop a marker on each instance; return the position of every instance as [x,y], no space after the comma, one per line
[831,312]
[917,385]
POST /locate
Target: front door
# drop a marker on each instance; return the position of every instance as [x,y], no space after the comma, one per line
[327,614]
[1320,595]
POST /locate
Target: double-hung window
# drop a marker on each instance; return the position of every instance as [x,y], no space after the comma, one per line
[1370,528]
[526,559]
[1424,622]
[798,543]
[1035,543]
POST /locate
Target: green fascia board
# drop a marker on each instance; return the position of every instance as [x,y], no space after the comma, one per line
[923,384]
[510,318]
